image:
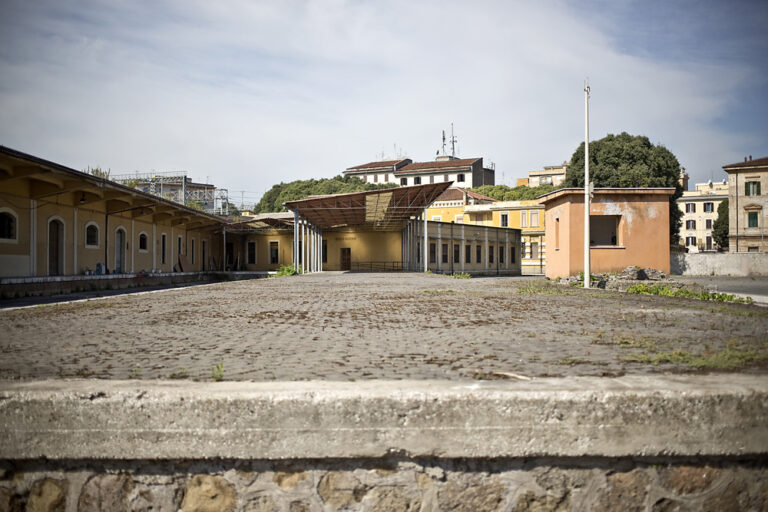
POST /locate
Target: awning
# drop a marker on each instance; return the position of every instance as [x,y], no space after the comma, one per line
[377,209]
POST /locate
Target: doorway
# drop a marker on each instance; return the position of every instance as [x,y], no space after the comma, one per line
[346,258]
[120,251]
[55,248]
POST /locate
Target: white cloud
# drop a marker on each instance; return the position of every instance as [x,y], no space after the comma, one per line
[253,93]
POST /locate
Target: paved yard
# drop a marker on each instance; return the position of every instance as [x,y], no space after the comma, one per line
[389,326]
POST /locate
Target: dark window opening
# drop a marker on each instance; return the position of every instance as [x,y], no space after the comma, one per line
[92,235]
[274,253]
[417,180]
[456,253]
[251,253]
[502,250]
[142,241]
[432,253]
[444,251]
[163,248]
[479,253]
[403,181]
[490,254]
[752,220]
[604,229]
[460,178]
[325,251]
[752,188]
[468,254]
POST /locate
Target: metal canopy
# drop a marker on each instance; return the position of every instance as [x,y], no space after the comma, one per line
[377,209]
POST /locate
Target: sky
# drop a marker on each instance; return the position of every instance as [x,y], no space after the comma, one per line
[245,94]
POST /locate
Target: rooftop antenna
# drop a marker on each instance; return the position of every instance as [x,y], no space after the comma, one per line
[453,142]
[443,142]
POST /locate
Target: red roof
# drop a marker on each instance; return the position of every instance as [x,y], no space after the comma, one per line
[456,194]
[757,162]
[441,165]
[383,164]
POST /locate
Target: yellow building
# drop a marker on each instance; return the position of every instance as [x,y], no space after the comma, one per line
[699,209]
[449,207]
[57,221]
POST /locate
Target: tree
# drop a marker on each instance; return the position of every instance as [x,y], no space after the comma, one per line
[98,172]
[521,193]
[626,161]
[273,199]
[720,227]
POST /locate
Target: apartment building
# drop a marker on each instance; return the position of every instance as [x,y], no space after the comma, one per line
[461,172]
[549,175]
[699,209]
[747,205]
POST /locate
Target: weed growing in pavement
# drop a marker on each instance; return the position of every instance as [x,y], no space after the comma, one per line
[287,270]
[439,292]
[181,373]
[666,291]
[734,356]
[461,275]
[217,372]
[542,288]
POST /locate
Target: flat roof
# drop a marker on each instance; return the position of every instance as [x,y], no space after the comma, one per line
[650,191]
[384,209]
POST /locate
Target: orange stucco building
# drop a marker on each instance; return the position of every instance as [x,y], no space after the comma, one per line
[628,226]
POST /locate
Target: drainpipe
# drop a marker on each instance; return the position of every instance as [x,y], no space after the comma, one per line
[106,241]
[426,260]
[737,211]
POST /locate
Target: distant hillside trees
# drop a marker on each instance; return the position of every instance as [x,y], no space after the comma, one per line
[273,199]
[521,193]
[626,161]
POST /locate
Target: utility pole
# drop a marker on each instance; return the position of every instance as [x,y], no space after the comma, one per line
[586,185]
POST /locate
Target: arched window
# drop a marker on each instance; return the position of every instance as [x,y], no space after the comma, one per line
[92,235]
[143,242]
[8,226]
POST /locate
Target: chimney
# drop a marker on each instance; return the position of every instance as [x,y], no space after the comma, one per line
[750,158]
[683,178]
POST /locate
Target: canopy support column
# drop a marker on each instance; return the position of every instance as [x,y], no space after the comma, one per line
[424,254]
[295,239]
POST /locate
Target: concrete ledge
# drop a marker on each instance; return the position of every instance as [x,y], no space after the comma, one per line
[712,415]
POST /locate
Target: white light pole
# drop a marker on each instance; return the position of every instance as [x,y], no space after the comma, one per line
[586,184]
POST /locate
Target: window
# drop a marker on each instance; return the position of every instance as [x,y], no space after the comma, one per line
[251,253]
[690,207]
[522,249]
[456,253]
[417,180]
[418,253]
[504,220]
[92,235]
[325,251]
[479,254]
[432,178]
[753,249]
[459,219]
[534,250]
[709,207]
[460,178]
[193,251]
[468,254]
[444,253]
[501,254]
[752,188]
[375,178]
[604,229]
[690,224]
[437,218]
[512,255]
[709,243]
[274,252]
[432,253]
[708,223]
[490,254]
[557,234]
[690,241]
[162,248]
[403,181]
[142,242]
[446,177]
[178,246]
[386,178]
[8,225]
[523,222]
[205,254]
[752,219]
[534,219]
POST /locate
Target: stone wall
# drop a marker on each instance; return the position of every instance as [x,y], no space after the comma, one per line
[390,484]
[646,443]
[719,264]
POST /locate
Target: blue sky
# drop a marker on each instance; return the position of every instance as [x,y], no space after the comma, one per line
[245,94]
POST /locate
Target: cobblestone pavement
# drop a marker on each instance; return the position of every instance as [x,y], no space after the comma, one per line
[390,326]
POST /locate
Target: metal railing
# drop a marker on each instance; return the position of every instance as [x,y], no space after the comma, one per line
[376,266]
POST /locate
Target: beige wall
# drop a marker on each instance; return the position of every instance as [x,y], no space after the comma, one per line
[643,233]
[29,254]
